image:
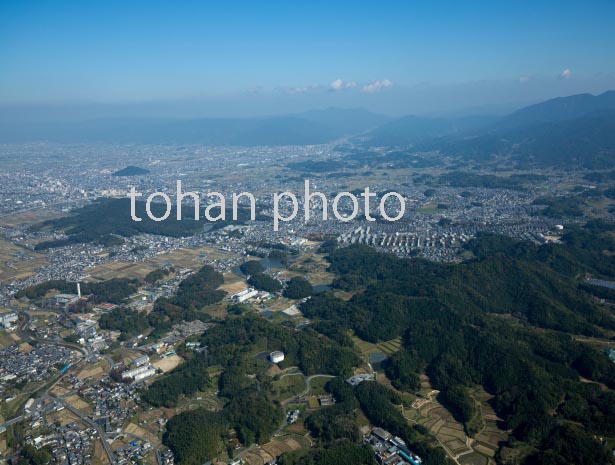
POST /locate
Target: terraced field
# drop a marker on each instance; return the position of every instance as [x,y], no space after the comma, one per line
[275,448]
[488,440]
[450,432]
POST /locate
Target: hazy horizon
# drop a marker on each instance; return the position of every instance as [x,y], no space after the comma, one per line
[75,61]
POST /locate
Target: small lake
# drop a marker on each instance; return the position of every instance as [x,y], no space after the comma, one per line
[322,288]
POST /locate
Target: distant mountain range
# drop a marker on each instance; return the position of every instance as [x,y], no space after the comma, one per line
[576,130]
[312,127]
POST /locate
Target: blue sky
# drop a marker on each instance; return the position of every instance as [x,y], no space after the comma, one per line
[254,58]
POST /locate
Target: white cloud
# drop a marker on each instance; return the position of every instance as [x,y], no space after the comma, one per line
[526,78]
[566,74]
[300,89]
[376,86]
[339,84]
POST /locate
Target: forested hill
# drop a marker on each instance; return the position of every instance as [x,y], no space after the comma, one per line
[131,171]
[578,130]
[504,320]
[106,221]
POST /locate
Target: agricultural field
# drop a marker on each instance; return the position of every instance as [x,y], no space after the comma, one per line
[267,452]
[479,450]
[143,433]
[488,440]
[8,339]
[94,371]
[99,457]
[78,403]
[376,353]
[233,283]
[17,262]
[314,266]
[185,258]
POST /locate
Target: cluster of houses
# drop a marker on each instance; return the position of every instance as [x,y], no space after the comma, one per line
[69,444]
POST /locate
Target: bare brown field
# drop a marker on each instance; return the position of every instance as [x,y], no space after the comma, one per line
[59,391]
[183,258]
[77,402]
[275,448]
[233,284]
[99,456]
[143,433]
[27,218]
[8,339]
[91,372]
[18,266]
[315,266]
[25,347]
[168,363]
[456,445]
[63,417]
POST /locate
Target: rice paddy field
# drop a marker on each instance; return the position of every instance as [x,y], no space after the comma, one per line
[477,450]
[185,258]
[267,452]
[17,262]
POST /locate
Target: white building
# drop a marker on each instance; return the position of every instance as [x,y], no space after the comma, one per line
[151,371]
[276,356]
[8,320]
[244,295]
[136,373]
[142,360]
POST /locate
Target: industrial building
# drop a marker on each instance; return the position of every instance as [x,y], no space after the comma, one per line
[276,356]
[8,320]
[140,361]
[139,373]
[244,295]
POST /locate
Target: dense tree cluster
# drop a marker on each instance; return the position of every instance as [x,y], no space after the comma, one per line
[254,416]
[196,436]
[265,282]
[445,314]
[129,322]
[186,379]
[298,288]
[107,221]
[231,339]
[252,267]
[157,275]
[114,290]
[337,455]
[193,293]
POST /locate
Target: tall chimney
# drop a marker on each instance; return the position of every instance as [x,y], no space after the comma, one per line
[79,290]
